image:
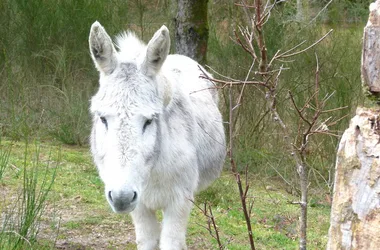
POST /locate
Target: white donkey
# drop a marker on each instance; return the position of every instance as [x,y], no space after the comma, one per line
[155,141]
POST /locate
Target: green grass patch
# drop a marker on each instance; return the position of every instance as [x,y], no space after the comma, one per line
[77,206]
[274,219]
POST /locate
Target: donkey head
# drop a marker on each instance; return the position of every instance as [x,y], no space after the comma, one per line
[126,131]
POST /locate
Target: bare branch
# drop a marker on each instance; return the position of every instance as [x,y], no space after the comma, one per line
[319,13]
[290,50]
[246,78]
[283,55]
[297,109]
[317,82]
[215,228]
[333,110]
[335,122]
[245,6]
[245,210]
[260,37]
[233,166]
[272,60]
[249,50]
[216,72]
[324,133]
[233,83]
[213,231]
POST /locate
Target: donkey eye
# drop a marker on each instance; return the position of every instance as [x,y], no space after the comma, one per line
[146,124]
[104,121]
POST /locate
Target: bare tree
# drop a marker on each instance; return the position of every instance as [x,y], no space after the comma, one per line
[265,73]
[192,29]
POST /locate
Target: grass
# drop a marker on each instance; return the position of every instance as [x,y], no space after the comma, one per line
[22,210]
[4,158]
[77,207]
[274,219]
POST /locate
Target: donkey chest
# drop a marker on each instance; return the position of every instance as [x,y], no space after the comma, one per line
[166,187]
[158,194]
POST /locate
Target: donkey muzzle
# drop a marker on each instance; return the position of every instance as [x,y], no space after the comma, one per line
[122,201]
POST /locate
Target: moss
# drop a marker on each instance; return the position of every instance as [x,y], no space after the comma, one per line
[199,14]
[347,213]
[346,167]
[372,99]
[199,21]
[354,163]
[374,173]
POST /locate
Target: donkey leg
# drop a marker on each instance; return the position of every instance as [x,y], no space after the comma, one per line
[147,228]
[174,224]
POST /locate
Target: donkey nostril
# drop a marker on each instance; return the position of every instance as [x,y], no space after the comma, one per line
[134,196]
[110,196]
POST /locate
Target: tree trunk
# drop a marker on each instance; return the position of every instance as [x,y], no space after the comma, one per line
[192,29]
[371,52]
[355,212]
[303,14]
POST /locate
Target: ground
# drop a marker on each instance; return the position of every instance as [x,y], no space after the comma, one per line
[77,215]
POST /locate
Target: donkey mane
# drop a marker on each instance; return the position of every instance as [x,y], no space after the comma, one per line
[127,40]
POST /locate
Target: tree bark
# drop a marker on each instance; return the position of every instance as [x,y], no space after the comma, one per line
[303,14]
[371,51]
[355,212]
[192,29]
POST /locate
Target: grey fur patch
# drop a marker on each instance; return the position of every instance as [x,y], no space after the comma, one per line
[177,71]
[157,146]
[127,70]
[178,109]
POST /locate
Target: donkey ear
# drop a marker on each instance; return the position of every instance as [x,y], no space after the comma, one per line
[102,50]
[157,51]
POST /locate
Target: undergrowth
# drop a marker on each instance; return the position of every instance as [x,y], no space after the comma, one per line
[21,211]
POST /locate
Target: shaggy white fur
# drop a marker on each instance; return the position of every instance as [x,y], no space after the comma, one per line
[157,135]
